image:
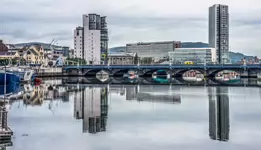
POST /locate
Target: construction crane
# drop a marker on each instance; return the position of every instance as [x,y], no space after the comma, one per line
[51,53]
[50,45]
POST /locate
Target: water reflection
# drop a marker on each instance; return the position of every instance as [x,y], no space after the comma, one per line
[218,113]
[5,132]
[196,79]
[203,110]
[150,93]
[91,105]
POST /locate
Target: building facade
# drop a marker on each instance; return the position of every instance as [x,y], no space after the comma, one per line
[104,41]
[91,40]
[152,52]
[123,59]
[194,55]
[34,55]
[3,47]
[78,42]
[219,31]
[9,55]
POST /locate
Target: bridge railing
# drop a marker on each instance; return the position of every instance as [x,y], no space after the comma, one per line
[164,66]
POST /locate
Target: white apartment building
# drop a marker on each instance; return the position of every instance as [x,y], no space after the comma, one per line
[91,40]
[219,31]
[78,42]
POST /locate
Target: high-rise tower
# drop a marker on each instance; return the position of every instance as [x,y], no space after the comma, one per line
[219,31]
[91,41]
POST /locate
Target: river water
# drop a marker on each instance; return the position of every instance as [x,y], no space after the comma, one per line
[134,117]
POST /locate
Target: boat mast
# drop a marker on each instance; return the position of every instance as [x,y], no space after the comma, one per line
[5,86]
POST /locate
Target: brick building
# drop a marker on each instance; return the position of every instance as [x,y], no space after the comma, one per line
[3,47]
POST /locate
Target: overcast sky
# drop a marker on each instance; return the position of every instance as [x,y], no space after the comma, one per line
[129,21]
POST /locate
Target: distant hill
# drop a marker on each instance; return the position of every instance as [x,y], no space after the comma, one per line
[193,45]
[45,45]
[236,57]
[117,49]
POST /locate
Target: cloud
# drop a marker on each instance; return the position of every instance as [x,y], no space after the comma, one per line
[129,21]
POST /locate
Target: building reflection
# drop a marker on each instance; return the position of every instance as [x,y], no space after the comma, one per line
[91,105]
[218,113]
[131,92]
[35,95]
[117,89]
[5,143]
[150,93]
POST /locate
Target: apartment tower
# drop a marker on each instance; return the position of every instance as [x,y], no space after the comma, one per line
[91,40]
[219,31]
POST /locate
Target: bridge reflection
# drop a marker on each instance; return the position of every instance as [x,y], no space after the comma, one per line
[172,81]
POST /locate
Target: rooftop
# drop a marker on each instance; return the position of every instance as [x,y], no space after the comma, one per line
[122,54]
[202,48]
[7,53]
[148,43]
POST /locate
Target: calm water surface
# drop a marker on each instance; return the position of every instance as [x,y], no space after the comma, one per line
[144,117]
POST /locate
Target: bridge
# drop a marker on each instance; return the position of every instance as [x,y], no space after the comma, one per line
[209,70]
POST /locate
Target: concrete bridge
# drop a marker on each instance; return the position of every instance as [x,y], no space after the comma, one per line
[173,70]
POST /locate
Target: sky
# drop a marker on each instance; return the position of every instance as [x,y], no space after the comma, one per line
[129,21]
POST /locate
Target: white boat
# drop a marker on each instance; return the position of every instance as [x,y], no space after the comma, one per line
[25,74]
[193,79]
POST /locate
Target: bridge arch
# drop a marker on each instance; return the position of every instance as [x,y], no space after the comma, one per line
[151,71]
[93,72]
[214,72]
[120,72]
[179,73]
[72,71]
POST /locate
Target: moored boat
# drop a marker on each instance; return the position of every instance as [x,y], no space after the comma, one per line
[8,78]
[24,74]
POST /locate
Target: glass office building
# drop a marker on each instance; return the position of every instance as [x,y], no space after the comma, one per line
[152,52]
[194,55]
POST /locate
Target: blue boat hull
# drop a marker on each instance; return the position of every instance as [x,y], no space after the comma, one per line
[10,78]
[12,88]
